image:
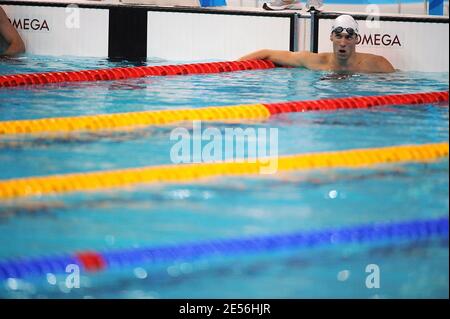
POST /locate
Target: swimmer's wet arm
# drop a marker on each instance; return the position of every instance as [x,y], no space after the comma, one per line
[284,58]
[9,33]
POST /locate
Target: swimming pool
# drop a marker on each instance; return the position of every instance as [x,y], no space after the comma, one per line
[223,208]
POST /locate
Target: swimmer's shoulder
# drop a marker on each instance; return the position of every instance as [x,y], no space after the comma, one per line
[312,60]
[3,16]
[375,63]
[324,56]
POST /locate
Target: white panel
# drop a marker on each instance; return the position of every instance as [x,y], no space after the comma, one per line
[56,31]
[195,36]
[409,46]
[304,34]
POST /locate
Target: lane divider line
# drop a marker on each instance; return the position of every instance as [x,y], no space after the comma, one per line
[357,158]
[133,119]
[224,113]
[111,74]
[95,261]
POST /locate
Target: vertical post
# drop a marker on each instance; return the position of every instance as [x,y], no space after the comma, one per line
[127,37]
[294,33]
[314,32]
[436,8]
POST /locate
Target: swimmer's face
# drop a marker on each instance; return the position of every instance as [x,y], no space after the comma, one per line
[343,44]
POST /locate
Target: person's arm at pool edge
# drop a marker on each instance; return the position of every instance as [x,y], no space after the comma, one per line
[16,45]
[286,58]
[278,57]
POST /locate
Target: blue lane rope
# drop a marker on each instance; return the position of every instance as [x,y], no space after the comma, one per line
[409,230]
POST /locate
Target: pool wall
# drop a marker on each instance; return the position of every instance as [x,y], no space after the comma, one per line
[133,32]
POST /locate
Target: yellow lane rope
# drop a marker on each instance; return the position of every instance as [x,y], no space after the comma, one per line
[58,184]
[123,120]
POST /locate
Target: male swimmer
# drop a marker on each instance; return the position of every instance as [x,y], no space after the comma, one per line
[344,57]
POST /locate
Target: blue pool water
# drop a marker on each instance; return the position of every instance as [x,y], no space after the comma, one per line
[149,216]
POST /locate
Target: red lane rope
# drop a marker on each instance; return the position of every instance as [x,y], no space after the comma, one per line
[132,72]
[356,102]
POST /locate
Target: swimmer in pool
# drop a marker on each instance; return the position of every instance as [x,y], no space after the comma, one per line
[9,35]
[344,57]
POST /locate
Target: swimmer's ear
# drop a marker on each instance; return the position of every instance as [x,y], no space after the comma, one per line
[331,36]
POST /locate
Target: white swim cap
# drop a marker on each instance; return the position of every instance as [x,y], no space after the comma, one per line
[345,22]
